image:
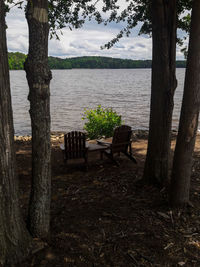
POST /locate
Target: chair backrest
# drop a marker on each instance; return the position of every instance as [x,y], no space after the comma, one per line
[75,145]
[121,138]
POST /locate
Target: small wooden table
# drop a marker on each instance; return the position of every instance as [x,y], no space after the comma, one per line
[92,147]
[96,147]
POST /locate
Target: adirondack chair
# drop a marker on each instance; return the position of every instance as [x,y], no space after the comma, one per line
[121,142]
[75,146]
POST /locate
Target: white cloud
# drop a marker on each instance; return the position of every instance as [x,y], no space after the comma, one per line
[89,39]
[17,32]
[82,42]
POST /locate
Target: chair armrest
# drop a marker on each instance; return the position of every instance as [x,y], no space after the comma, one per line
[62,146]
[100,142]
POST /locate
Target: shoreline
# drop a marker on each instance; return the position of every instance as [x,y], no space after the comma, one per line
[57,135]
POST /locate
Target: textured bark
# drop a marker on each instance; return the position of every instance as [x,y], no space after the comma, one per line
[162,91]
[39,76]
[182,165]
[15,241]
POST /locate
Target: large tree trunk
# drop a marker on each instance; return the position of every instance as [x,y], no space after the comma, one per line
[182,164]
[15,240]
[39,76]
[162,90]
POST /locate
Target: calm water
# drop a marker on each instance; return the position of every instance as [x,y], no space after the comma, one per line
[127,91]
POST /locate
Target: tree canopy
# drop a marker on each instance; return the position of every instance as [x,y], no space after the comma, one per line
[16,62]
[138,12]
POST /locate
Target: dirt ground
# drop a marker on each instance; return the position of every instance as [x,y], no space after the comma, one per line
[106,217]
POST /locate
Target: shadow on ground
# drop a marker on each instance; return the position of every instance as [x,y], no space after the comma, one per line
[106,217]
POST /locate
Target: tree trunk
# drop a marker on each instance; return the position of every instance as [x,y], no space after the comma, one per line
[39,76]
[15,241]
[162,91]
[182,164]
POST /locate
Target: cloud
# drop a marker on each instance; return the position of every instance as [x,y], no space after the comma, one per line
[86,41]
[17,31]
[140,45]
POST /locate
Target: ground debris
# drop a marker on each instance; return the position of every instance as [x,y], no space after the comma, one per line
[105,217]
[164,215]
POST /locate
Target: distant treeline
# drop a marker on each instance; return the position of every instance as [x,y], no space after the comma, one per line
[16,61]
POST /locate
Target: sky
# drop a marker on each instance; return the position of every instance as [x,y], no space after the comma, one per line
[86,41]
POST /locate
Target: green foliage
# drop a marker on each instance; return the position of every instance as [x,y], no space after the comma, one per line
[16,62]
[59,63]
[101,122]
[138,13]
[74,14]
[95,62]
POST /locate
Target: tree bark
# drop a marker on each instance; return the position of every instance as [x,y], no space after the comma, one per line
[39,76]
[182,164]
[15,241]
[163,87]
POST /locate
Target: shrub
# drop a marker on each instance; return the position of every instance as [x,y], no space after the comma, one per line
[101,122]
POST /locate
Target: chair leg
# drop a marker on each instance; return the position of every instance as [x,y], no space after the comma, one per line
[130,150]
[65,160]
[64,156]
[110,156]
[86,162]
[101,155]
[130,157]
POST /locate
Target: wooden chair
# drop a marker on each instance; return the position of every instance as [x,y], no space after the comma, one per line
[121,142]
[75,146]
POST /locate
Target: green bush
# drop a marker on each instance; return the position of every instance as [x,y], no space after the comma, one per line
[101,122]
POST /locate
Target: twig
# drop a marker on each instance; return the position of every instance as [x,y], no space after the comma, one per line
[144,257]
[133,258]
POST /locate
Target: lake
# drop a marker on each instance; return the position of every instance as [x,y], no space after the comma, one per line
[127,91]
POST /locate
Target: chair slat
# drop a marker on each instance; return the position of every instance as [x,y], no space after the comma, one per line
[75,145]
[121,143]
[121,138]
